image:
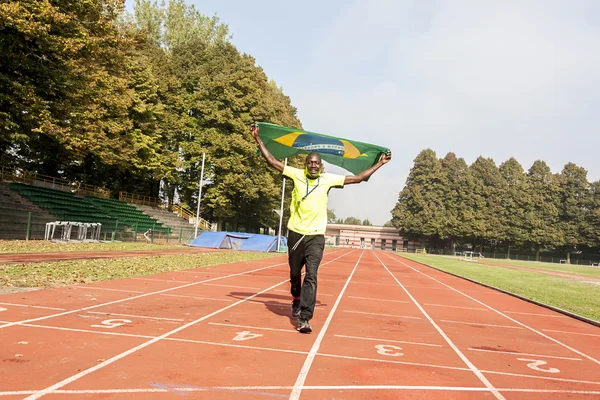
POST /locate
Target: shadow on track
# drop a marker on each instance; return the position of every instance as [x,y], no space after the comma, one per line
[271,303]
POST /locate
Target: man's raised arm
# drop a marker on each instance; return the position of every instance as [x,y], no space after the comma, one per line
[272,161]
[350,179]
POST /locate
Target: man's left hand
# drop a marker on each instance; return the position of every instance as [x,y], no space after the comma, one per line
[386,158]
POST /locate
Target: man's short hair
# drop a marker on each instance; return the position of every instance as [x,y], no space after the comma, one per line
[313,154]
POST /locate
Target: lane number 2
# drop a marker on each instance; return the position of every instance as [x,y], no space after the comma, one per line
[389,350]
[112,323]
[536,364]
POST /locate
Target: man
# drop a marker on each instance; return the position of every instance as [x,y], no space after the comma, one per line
[308,222]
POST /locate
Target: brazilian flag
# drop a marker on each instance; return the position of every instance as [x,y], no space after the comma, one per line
[351,155]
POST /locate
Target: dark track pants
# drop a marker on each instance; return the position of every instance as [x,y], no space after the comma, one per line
[309,252]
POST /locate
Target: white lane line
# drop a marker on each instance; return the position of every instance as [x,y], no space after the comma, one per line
[387,340]
[393,362]
[249,389]
[107,289]
[136,316]
[471,366]
[539,315]
[380,315]
[231,286]
[384,300]
[546,378]
[462,308]
[571,333]
[130,298]
[517,353]
[197,297]
[304,353]
[295,395]
[480,324]
[64,382]
[254,327]
[159,280]
[26,305]
[505,316]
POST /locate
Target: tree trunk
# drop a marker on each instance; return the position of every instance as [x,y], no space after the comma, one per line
[568,257]
[537,253]
[508,252]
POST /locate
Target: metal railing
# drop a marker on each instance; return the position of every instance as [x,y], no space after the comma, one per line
[9,174]
[182,211]
[141,200]
[188,214]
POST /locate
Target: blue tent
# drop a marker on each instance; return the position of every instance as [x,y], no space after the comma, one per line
[239,241]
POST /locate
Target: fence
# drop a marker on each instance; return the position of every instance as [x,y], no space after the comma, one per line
[520,255]
[18,224]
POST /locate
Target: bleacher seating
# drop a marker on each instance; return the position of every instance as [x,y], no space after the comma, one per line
[66,206]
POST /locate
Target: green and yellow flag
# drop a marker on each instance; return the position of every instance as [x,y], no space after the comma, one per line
[351,155]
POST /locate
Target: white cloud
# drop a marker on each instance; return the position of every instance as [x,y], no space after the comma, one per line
[499,79]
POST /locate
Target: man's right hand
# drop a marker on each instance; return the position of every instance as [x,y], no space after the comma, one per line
[254,129]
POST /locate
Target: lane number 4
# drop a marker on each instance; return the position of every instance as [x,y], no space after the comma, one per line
[112,323]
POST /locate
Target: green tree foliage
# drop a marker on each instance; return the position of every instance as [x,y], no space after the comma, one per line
[366,222]
[331,215]
[131,102]
[63,87]
[352,221]
[420,208]
[575,202]
[514,202]
[486,200]
[540,220]
[483,205]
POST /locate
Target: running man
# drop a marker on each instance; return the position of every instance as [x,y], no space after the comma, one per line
[308,222]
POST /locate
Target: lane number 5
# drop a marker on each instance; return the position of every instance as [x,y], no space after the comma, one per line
[389,350]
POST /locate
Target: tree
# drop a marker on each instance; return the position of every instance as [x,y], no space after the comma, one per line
[489,227]
[63,85]
[366,222]
[331,216]
[459,217]
[514,201]
[540,219]
[574,208]
[420,207]
[352,221]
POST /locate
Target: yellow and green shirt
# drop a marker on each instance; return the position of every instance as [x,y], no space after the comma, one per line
[308,210]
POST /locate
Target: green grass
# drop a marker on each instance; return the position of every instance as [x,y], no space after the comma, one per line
[43,246]
[62,273]
[593,272]
[576,296]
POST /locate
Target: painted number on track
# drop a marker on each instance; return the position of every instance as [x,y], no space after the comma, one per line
[112,323]
[535,365]
[3,309]
[389,350]
[246,335]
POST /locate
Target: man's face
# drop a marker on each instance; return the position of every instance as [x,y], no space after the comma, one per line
[313,165]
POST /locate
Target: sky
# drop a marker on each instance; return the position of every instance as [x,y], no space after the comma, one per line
[498,79]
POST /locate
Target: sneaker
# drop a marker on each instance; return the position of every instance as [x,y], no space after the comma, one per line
[296,308]
[303,326]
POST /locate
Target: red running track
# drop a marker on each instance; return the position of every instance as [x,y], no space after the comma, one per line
[384,328]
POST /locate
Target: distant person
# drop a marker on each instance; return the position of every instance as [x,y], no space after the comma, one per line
[308,222]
